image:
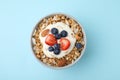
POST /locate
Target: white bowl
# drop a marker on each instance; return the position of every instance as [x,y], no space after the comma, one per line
[81,52]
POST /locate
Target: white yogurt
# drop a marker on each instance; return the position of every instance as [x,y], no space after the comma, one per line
[60,26]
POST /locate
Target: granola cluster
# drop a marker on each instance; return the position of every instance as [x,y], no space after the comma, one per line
[37,44]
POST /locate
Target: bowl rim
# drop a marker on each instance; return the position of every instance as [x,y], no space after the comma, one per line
[82,52]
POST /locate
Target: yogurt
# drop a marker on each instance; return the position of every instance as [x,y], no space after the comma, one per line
[60,26]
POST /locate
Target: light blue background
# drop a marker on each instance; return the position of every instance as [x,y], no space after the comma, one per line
[101,21]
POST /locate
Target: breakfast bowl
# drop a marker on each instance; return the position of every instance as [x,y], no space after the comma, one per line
[58,41]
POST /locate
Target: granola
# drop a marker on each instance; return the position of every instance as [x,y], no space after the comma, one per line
[37,43]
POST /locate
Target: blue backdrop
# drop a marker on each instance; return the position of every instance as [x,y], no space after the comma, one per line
[101,21]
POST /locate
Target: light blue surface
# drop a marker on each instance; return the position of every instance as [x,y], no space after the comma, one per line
[101,21]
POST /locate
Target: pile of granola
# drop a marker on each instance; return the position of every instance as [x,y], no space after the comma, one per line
[37,44]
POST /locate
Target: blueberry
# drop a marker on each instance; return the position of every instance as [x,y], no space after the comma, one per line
[57,51]
[57,46]
[54,31]
[51,49]
[64,33]
[78,45]
[58,36]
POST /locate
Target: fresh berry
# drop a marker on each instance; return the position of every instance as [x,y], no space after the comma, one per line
[50,40]
[64,44]
[78,45]
[64,33]
[58,36]
[54,31]
[51,49]
[57,46]
[56,51]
